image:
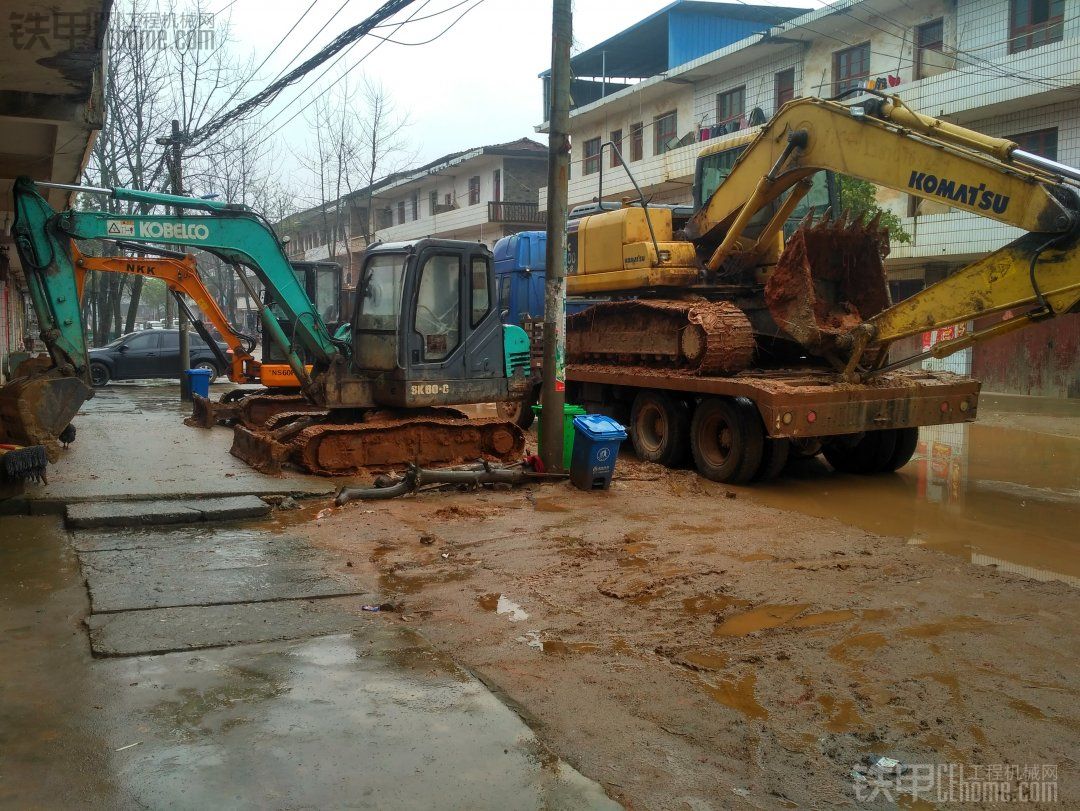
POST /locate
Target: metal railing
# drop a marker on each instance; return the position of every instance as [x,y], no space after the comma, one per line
[503,211]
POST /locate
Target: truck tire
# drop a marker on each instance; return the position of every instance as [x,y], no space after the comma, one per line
[907,440]
[659,428]
[727,439]
[867,454]
[774,458]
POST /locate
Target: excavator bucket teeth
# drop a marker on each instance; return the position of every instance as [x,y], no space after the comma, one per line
[206,413]
[259,449]
[829,278]
[34,410]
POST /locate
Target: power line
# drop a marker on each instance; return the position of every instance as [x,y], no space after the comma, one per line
[339,43]
[369,53]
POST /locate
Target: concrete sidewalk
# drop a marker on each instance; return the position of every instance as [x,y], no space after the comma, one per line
[132,443]
[369,718]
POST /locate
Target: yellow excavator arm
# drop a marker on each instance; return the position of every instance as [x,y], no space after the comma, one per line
[181,275]
[884,142]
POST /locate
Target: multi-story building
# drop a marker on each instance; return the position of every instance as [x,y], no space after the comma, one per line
[1009,68]
[50,111]
[480,194]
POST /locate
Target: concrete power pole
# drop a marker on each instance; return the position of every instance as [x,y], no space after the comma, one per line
[176,173]
[553,391]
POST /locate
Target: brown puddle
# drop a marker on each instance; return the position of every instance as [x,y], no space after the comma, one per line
[995,496]
[931,629]
[501,604]
[411,584]
[822,618]
[705,660]
[866,642]
[843,717]
[755,556]
[710,604]
[549,505]
[560,648]
[759,619]
[738,694]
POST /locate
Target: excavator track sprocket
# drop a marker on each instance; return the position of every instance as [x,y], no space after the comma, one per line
[708,337]
[340,450]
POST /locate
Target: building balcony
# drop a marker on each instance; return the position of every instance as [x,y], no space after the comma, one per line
[515,213]
[466,222]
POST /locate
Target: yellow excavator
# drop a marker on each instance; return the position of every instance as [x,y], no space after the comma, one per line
[725,336]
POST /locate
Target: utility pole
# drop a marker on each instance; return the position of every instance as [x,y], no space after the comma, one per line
[176,177]
[553,390]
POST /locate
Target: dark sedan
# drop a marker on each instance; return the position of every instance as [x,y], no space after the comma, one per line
[151,353]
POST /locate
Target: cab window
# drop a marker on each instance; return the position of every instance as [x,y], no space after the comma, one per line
[481,289]
[438,306]
[714,170]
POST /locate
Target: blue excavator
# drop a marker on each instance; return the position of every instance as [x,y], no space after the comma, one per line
[425,335]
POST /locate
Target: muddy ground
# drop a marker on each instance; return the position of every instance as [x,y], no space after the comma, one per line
[689,647]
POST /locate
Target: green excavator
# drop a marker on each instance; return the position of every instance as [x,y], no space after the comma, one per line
[425,335]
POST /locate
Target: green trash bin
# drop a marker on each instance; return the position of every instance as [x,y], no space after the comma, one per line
[569,412]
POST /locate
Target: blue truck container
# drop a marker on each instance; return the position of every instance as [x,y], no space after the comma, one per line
[520,265]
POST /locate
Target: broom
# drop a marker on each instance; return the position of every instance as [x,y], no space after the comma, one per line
[20,464]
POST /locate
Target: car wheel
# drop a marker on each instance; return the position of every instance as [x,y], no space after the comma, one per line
[99,375]
[208,366]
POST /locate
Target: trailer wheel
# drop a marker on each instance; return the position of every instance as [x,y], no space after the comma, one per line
[907,440]
[774,458]
[869,453]
[659,428]
[727,440]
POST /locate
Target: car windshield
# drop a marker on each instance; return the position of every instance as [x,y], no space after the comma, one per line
[117,341]
[379,294]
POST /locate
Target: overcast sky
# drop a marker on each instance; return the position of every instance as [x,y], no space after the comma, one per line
[475,84]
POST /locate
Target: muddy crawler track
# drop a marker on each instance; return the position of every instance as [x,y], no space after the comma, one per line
[708,337]
[339,450]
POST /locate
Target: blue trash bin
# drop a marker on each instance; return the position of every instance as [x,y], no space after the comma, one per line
[199,381]
[596,447]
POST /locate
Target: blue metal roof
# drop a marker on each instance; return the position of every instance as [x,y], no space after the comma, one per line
[674,35]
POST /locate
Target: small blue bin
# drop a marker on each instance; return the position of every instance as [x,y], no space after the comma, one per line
[199,381]
[596,447]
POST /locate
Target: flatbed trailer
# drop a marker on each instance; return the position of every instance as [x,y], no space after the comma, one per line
[744,427]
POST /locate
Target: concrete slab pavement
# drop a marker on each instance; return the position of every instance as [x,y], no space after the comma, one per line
[372,718]
[89,515]
[132,443]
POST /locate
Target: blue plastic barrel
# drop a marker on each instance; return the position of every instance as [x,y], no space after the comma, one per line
[199,381]
[596,447]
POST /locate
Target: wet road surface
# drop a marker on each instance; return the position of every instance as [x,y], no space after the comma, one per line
[373,718]
[132,442]
[1004,492]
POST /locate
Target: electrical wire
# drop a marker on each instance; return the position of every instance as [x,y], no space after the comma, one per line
[353,67]
[338,44]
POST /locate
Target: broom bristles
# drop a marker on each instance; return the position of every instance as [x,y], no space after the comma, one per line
[21,464]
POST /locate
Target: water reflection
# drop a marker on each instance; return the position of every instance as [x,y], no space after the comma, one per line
[1000,496]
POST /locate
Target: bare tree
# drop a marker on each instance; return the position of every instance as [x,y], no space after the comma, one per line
[384,146]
